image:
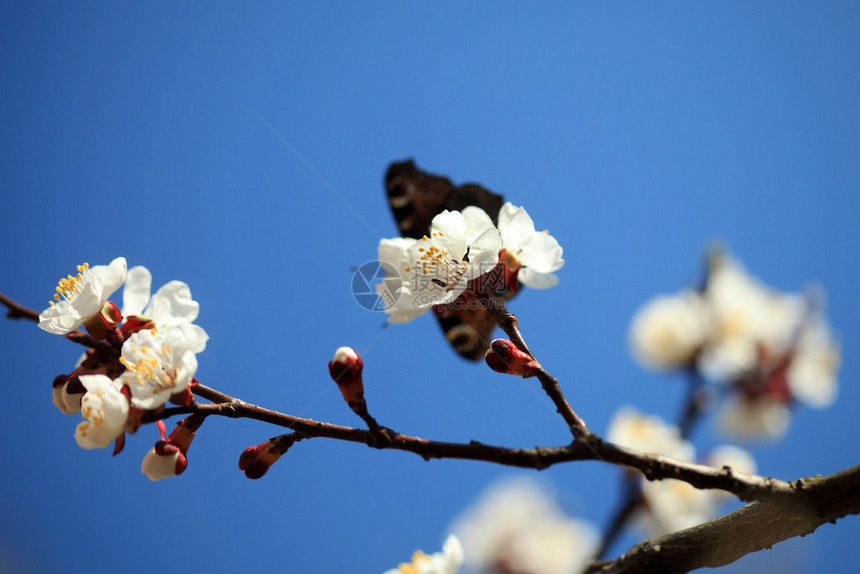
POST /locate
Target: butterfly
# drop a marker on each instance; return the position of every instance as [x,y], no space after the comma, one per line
[416,197]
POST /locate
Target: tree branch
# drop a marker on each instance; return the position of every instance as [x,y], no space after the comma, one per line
[754,527]
[654,467]
[783,510]
[589,446]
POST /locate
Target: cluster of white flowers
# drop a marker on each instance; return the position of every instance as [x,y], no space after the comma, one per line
[158,339]
[516,526]
[769,346]
[672,505]
[461,248]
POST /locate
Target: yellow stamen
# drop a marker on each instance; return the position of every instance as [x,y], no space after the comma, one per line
[150,370]
[68,287]
[414,566]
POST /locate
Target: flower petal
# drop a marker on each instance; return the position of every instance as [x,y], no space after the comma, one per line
[172,304]
[105,409]
[393,251]
[137,290]
[60,319]
[112,275]
[515,225]
[451,227]
[477,222]
[484,253]
[536,280]
[542,253]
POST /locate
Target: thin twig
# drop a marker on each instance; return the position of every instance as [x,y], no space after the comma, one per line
[510,325]
[18,311]
[654,467]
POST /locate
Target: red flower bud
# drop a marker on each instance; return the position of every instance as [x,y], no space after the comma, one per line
[345,369]
[256,460]
[504,357]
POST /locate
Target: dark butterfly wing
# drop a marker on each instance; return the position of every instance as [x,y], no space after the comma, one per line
[416,197]
[468,330]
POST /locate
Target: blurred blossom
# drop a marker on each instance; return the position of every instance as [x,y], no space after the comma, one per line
[672,505]
[747,317]
[769,348]
[446,562]
[667,332]
[516,527]
[812,372]
[755,417]
[648,434]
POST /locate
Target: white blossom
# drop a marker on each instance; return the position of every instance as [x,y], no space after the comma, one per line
[161,462]
[158,364]
[170,306]
[668,331]
[674,505]
[764,417]
[81,296]
[69,403]
[811,375]
[538,252]
[393,255]
[747,318]
[105,409]
[518,523]
[649,434]
[446,562]
[437,269]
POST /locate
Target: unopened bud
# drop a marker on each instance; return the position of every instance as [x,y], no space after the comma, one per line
[504,357]
[163,461]
[169,456]
[256,460]
[68,392]
[345,369]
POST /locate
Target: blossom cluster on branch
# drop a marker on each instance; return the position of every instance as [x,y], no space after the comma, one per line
[767,349]
[149,357]
[764,349]
[466,254]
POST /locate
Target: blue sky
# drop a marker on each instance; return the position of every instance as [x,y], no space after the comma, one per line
[241,148]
